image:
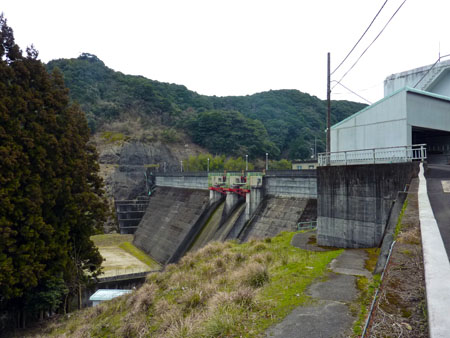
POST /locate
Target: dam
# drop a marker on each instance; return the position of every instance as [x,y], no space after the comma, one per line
[188,210]
[351,206]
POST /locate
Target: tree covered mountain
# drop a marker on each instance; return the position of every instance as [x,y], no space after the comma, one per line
[284,123]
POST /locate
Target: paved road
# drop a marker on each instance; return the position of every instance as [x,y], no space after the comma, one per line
[329,313]
[440,200]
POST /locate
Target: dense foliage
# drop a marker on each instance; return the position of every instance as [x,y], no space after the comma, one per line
[50,193]
[284,123]
[221,162]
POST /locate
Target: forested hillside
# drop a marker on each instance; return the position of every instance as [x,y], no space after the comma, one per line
[281,122]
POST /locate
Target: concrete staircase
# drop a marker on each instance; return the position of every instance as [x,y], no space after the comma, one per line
[130,212]
[426,83]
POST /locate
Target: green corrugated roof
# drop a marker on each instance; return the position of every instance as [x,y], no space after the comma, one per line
[408,89]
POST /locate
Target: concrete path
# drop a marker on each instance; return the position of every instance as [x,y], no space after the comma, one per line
[437,176]
[329,314]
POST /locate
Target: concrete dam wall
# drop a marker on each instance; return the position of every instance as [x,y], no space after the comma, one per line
[285,201]
[300,187]
[173,219]
[354,202]
[276,214]
[183,180]
[183,214]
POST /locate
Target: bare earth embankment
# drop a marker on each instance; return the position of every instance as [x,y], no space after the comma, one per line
[122,257]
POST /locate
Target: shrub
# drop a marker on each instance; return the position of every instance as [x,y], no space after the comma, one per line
[142,299]
[192,298]
[244,297]
[259,247]
[219,324]
[254,275]
[263,258]
[239,258]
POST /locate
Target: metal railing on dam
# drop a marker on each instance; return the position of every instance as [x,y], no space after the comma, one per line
[374,155]
[284,173]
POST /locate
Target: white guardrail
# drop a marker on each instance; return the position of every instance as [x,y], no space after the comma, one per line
[374,155]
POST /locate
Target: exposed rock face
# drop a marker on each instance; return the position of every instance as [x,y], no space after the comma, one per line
[123,165]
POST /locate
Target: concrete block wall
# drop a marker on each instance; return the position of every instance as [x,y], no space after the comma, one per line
[178,181]
[353,202]
[171,215]
[301,187]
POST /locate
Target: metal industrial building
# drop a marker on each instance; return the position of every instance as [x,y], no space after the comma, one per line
[415,109]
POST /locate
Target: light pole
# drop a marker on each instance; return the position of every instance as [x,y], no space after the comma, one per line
[315,148]
[207,169]
[164,166]
[267,161]
[246,162]
[181,165]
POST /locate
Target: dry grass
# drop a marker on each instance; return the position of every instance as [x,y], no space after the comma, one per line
[221,290]
[400,310]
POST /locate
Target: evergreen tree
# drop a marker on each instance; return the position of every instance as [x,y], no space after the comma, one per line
[51,197]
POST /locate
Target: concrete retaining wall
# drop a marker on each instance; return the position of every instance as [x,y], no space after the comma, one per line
[437,267]
[353,202]
[190,182]
[301,187]
[171,216]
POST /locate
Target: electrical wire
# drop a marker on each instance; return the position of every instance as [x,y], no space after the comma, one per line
[359,58]
[356,44]
[351,91]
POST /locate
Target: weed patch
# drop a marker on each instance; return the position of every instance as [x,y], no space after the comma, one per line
[398,227]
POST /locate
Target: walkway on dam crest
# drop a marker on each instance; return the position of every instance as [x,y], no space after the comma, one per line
[329,314]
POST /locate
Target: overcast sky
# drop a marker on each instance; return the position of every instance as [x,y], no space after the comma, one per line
[239,47]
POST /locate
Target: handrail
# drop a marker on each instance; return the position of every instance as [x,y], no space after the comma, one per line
[374,155]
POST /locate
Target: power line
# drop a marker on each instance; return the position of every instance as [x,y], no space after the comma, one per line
[393,15]
[351,91]
[356,44]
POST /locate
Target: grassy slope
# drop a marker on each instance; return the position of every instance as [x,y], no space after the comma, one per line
[222,290]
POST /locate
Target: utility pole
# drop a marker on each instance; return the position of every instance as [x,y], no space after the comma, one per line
[315,148]
[328,111]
